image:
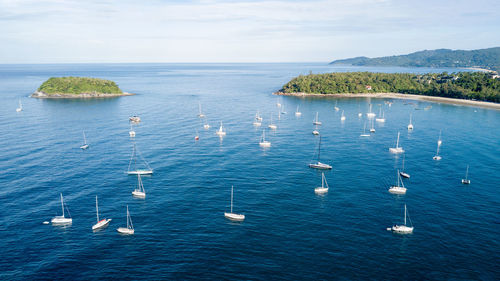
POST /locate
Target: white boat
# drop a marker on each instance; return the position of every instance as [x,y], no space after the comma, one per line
[466,180]
[139,191]
[399,188]
[20,108]
[370,114]
[272,125]
[206,126]
[85,145]
[403,229]
[61,220]
[342,118]
[381,117]
[364,134]
[283,109]
[372,129]
[221,132]
[131,133]
[297,112]
[263,142]
[200,114]
[336,107]
[135,118]
[231,215]
[100,223]
[316,121]
[410,126]
[278,104]
[129,230]
[402,173]
[135,171]
[318,164]
[360,114]
[315,131]
[396,149]
[439,142]
[324,186]
[257,116]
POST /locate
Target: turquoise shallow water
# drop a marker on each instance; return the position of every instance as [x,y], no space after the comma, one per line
[289,232]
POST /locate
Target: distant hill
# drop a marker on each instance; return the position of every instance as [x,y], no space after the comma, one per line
[483,58]
[78,87]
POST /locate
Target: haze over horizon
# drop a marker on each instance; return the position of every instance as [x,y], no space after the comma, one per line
[60,31]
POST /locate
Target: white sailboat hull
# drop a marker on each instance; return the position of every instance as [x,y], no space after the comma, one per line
[19,109]
[139,194]
[315,132]
[60,220]
[265,144]
[364,135]
[465,181]
[85,146]
[380,120]
[206,126]
[234,216]
[140,172]
[321,190]
[257,124]
[370,115]
[404,175]
[220,133]
[131,134]
[410,127]
[320,165]
[101,224]
[298,113]
[342,118]
[272,126]
[403,229]
[396,150]
[372,130]
[397,190]
[134,119]
[316,123]
[124,230]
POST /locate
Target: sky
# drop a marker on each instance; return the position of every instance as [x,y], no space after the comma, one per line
[79,31]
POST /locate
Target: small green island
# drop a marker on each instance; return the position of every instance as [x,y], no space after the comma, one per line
[477,86]
[78,87]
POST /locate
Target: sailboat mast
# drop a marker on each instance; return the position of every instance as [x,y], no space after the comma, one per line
[405,214]
[319,148]
[84,138]
[467,172]
[97,208]
[232,198]
[397,142]
[62,205]
[128,217]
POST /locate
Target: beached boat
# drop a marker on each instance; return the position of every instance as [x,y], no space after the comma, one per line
[132,169]
[324,186]
[100,223]
[231,215]
[396,149]
[399,188]
[403,229]
[62,220]
[318,164]
[129,230]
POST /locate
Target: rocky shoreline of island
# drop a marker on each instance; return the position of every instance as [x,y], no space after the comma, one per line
[43,95]
[484,104]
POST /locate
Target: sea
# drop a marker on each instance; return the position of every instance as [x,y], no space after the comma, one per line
[289,232]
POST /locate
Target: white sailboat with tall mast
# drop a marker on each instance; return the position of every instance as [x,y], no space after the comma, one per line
[263,142]
[370,114]
[336,107]
[402,173]
[342,118]
[139,191]
[231,215]
[131,133]
[315,131]
[318,164]
[20,108]
[100,223]
[132,165]
[271,125]
[466,180]
[364,134]
[129,230]
[399,188]
[439,142]
[372,129]
[258,120]
[85,145]
[316,121]
[200,114]
[206,126]
[324,186]
[257,116]
[62,220]
[221,132]
[297,112]
[396,149]
[381,116]
[403,229]
[410,126]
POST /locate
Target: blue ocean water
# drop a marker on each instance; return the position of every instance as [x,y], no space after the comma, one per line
[289,232]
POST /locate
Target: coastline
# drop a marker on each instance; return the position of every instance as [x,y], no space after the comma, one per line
[42,95]
[483,104]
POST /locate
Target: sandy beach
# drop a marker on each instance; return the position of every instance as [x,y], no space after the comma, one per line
[483,104]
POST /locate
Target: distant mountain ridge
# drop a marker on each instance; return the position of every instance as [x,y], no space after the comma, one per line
[482,58]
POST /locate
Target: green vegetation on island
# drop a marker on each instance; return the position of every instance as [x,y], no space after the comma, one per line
[463,85]
[483,58]
[79,86]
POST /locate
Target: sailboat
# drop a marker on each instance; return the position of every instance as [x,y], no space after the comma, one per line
[372,129]
[136,171]
[410,126]
[221,132]
[318,164]
[403,229]
[342,118]
[258,120]
[398,189]
[370,114]
[315,131]
[402,173]
[129,230]
[316,121]
[100,223]
[85,144]
[61,220]
[271,125]
[396,149]
[139,192]
[297,112]
[381,117]
[322,189]
[200,114]
[206,126]
[364,134]
[283,109]
[278,104]
[20,108]
[131,133]
[336,108]
[466,180]
[263,141]
[439,142]
[257,116]
[231,215]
